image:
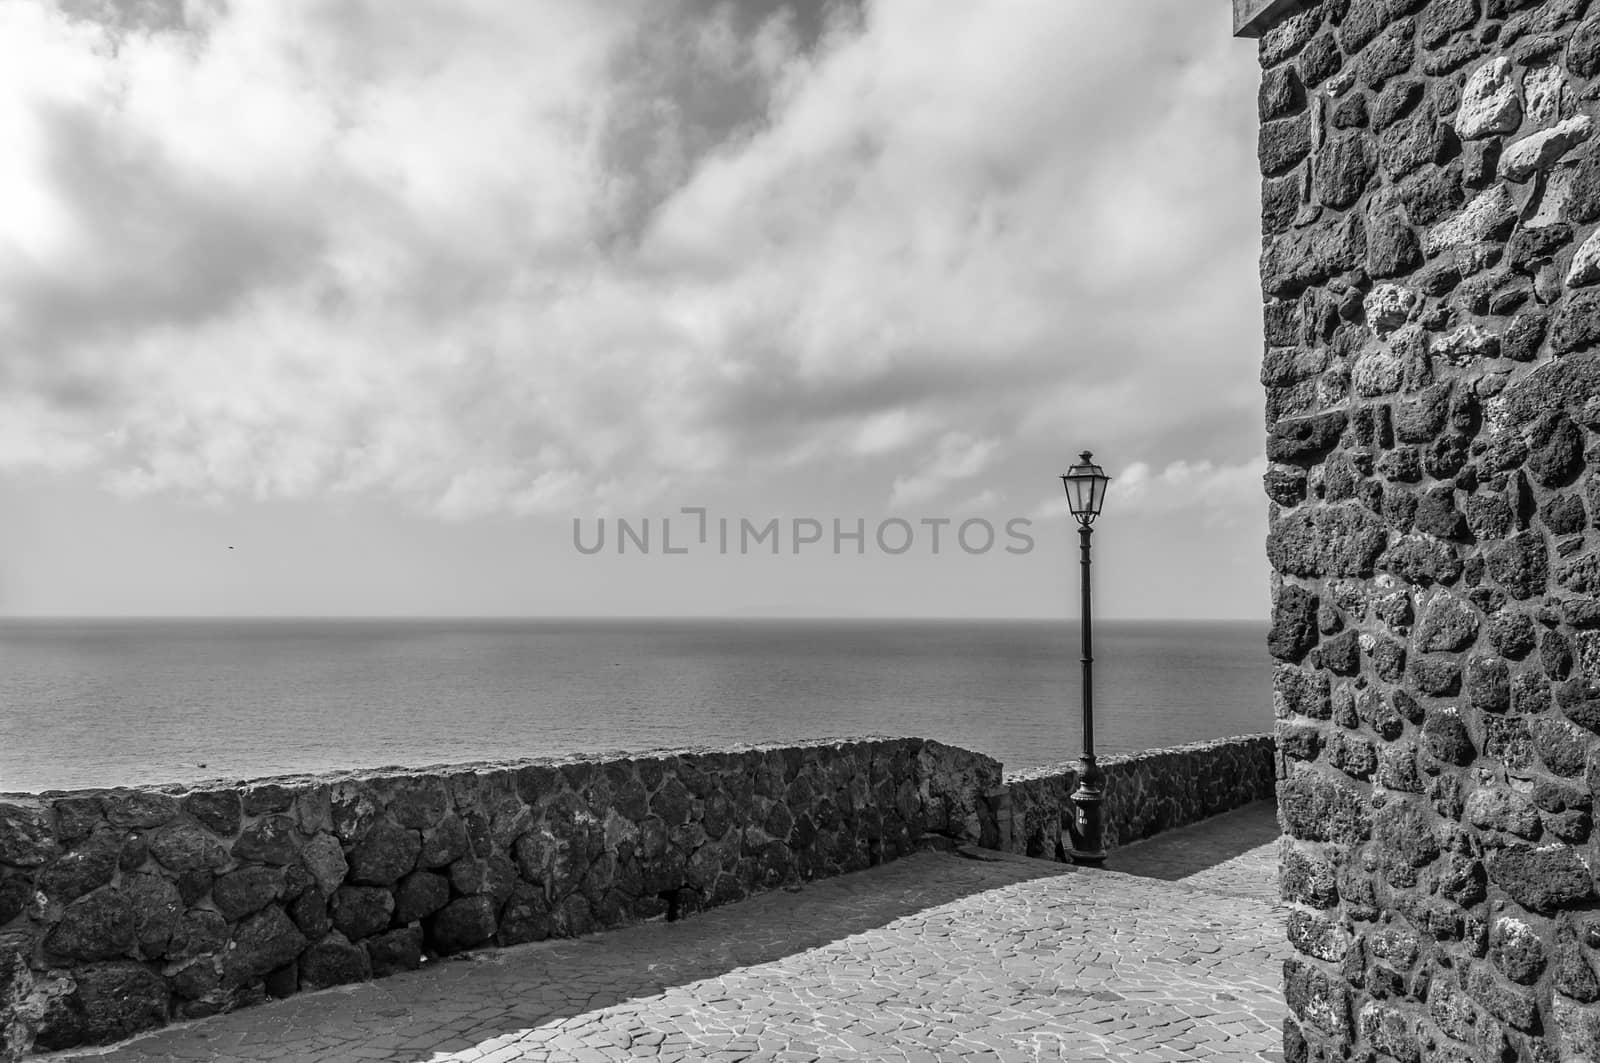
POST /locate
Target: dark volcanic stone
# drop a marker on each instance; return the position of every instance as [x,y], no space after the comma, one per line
[1339,540]
[1561,745]
[1564,515]
[1570,970]
[1320,60]
[1283,143]
[109,1002]
[1412,143]
[1556,456]
[1488,684]
[1422,560]
[384,854]
[1389,55]
[444,844]
[267,797]
[1341,170]
[1448,623]
[1431,194]
[1447,737]
[1316,807]
[1507,1002]
[1281,93]
[1392,247]
[398,950]
[1577,323]
[310,913]
[1299,743]
[1520,564]
[1285,485]
[1351,112]
[138,810]
[1305,879]
[1395,102]
[261,943]
[218,810]
[156,907]
[1521,339]
[1341,654]
[1353,756]
[197,932]
[96,927]
[1419,418]
[359,911]
[1295,438]
[1541,880]
[419,894]
[1304,256]
[269,841]
[1363,21]
[1444,17]
[1280,201]
[1583,50]
[461,924]
[249,889]
[1555,654]
[185,847]
[1583,198]
[333,961]
[418,803]
[1295,693]
[27,836]
[87,867]
[528,916]
[1508,740]
[1437,514]
[1512,634]
[1294,629]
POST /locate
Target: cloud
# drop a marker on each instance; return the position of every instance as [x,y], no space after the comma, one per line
[498,257]
[957,457]
[1218,494]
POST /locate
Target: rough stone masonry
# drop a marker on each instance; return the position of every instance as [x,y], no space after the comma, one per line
[1431,274]
[123,909]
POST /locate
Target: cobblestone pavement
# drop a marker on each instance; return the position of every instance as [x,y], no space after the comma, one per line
[934,957]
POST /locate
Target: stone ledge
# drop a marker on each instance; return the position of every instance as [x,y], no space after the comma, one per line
[1252,18]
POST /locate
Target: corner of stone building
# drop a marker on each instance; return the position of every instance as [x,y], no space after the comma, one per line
[1430,271]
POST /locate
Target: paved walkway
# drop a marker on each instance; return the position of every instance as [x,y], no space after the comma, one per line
[940,956]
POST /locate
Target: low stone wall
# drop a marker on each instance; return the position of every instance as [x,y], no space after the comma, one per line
[122,910]
[1146,793]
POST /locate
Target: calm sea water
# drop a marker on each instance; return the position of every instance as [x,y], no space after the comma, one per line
[102,703]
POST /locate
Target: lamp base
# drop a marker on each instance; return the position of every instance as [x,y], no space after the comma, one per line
[1088,817]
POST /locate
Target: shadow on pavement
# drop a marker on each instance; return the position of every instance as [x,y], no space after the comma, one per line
[1186,851]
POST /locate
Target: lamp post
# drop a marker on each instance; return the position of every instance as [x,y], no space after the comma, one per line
[1085,484]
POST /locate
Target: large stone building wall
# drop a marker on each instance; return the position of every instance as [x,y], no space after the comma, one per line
[1431,273]
[125,909]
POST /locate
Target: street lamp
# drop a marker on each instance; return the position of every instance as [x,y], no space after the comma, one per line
[1085,484]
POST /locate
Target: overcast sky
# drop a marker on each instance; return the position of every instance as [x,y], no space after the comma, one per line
[355,308]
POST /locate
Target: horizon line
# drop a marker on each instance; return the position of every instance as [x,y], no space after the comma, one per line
[620,616]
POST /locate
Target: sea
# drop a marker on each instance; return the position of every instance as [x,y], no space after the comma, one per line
[88,703]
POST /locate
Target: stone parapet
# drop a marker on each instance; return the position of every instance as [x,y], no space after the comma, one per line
[124,909]
[1146,793]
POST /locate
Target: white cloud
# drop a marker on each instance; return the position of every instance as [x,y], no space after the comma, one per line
[522,257]
[957,457]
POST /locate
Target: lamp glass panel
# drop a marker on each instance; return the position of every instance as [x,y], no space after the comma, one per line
[1079,492]
[1098,493]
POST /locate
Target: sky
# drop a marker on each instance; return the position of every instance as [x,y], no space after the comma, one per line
[394,309]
